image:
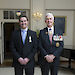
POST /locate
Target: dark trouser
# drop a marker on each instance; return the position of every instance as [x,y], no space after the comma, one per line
[28,71]
[53,67]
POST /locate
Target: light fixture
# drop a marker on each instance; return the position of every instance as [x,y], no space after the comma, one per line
[18,13]
[37,15]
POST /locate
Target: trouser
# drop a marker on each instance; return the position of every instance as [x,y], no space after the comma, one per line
[28,71]
[53,67]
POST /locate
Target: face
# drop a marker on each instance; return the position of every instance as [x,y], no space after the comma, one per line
[23,22]
[49,20]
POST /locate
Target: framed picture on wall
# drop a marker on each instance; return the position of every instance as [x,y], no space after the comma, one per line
[60,23]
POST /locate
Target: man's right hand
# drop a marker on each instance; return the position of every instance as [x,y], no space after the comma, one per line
[48,58]
[21,60]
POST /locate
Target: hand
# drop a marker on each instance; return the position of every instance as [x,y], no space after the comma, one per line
[26,60]
[51,56]
[21,60]
[48,58]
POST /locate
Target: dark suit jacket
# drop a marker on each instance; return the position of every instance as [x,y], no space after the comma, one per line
[27,50]
[46,47]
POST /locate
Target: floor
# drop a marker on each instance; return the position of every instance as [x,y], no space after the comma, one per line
[10,71]
[6,69]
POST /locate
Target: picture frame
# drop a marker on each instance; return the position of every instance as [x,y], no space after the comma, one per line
[60,23]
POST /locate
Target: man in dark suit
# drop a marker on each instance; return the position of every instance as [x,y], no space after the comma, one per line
[23,46]
[50,45]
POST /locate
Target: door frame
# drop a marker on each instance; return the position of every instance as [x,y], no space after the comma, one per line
[2,40]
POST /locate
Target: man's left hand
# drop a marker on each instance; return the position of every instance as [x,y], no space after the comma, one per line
[26,60]
[51,57]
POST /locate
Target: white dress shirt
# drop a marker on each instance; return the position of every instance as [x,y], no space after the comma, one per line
[23,34]
[51,29]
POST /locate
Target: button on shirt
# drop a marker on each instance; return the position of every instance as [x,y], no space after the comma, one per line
[23,34]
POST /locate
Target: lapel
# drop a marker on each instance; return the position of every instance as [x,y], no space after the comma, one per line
[27,37]
[46,35]
[19,37]
[53,35]
[54,30]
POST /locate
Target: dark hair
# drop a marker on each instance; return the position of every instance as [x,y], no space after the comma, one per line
[23,16]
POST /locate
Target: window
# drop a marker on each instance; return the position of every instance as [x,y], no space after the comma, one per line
[11,14]
[5,14]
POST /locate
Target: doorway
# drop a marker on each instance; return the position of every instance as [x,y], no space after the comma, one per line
[8,29]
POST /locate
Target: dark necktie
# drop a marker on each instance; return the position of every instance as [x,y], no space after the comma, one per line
[50,35]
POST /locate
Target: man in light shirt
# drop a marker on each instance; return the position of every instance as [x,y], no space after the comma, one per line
[23,46]
[50,49]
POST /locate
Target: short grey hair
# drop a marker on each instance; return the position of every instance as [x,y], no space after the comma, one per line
[49,14]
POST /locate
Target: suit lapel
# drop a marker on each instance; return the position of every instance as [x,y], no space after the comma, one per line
[54,30]
[46,35]
[53,35]
[27,37]
[19,37]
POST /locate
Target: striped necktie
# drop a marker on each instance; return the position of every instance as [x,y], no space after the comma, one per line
[50,35]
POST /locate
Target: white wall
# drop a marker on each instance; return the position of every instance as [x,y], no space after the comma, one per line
[74,30]
[59,4]
[37,6]
[49,4]
[14,4]
[1,15]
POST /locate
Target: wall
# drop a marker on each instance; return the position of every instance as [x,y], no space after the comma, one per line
[74,30]
[37,6]
[49,4]
[1,15]
[59,4]
[14,4]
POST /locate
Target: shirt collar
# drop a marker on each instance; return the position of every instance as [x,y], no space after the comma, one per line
[24,29]
[51,28]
